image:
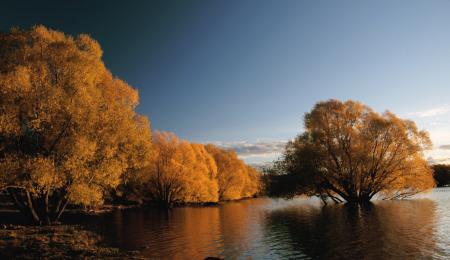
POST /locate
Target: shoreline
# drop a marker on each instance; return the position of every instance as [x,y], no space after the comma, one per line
[57,241]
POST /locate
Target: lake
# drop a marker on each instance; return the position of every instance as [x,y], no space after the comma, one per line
[293,229]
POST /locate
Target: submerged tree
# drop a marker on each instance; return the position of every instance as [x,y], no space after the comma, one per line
[68,129]
[350,153]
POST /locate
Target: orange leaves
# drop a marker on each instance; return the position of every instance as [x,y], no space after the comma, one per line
[349,150]
[183,172]
[65,114]
[236,180]
[70,130]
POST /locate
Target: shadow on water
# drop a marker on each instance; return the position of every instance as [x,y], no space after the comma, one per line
[387,229]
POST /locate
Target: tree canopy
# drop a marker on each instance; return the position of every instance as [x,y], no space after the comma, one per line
[69,134]
[348,152]
[68,129]
[183,172]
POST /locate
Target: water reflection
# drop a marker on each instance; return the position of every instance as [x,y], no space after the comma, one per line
[228,230]
[402,229]
[298,229]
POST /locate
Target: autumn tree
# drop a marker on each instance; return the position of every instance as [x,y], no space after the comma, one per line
[182,172]
[348,152]
[252,184]
[179,172]
[201,179]
[236,180]
[68,129]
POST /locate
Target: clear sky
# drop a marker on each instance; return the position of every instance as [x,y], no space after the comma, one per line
[243,73]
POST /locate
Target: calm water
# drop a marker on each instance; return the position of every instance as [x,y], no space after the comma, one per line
[296,229]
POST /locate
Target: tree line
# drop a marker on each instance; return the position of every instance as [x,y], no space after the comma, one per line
[69,134]
[184,172]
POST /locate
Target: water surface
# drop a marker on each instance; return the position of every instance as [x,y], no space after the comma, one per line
[295,229]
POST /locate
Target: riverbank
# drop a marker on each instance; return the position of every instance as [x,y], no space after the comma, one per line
[60,241]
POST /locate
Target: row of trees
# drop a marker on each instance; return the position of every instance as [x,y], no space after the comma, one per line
[69,133]
[348,152]
[183,172]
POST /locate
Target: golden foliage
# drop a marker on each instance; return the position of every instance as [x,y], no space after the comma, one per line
[69,133]
[348,151]
[236,180]
[183,172]
[66,124]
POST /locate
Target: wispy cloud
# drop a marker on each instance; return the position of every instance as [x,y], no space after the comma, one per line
[262,153]
[261,149]
[440,155]
[437,111]
[445,147]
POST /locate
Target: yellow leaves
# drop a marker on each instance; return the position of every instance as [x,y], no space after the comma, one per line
[40,32]
[195,173]
[90,195]
[43,174]
[359,152]
[75,122]
[78,131]
[86,43]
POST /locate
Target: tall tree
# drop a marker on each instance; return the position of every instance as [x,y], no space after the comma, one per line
[68,129]
[236,179]
[350,152]
[180,172]
[163,180]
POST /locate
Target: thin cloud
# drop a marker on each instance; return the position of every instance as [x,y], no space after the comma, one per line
[439,156]
[445,147]
[431,112]
[432,160]
[247,150]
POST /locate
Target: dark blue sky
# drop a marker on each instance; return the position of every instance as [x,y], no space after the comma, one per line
[248,70]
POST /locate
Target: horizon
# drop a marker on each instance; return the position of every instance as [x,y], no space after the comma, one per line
[242,75]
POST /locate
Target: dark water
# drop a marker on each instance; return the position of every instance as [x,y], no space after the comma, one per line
[296,229]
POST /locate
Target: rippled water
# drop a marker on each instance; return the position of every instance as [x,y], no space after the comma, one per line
[299,229]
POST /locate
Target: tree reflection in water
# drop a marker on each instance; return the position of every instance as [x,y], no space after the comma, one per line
[293,229]
[387,229]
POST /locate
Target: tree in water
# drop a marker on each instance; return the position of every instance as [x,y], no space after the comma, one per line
[348,152]
[68,129]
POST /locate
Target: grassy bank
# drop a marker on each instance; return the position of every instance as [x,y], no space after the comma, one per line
[56,242]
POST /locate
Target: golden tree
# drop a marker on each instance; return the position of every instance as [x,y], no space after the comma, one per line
[201,180]
[350,152]
[163,180]
[180,172]
[236,180]
[68,129]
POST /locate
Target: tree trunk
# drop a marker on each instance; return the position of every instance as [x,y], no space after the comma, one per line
[61,210]
[360,200]
[32,211]
[38,210]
